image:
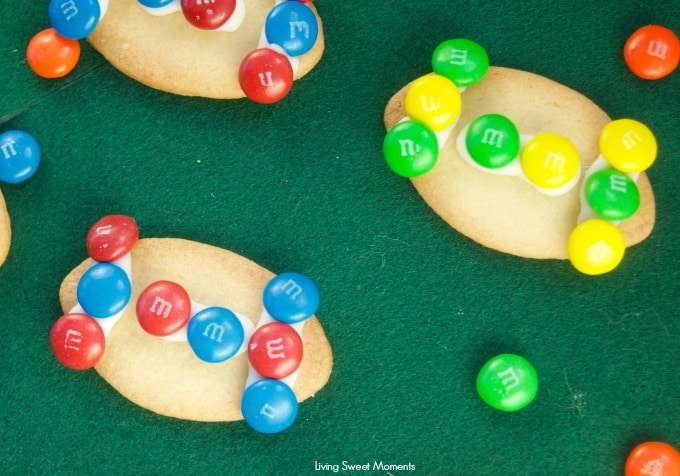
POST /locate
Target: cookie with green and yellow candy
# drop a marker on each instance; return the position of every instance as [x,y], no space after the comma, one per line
[501,155]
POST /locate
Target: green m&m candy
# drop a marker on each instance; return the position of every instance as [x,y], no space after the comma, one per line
[612,194]
[410,148]
[507,382]
[462,61]
[492,140]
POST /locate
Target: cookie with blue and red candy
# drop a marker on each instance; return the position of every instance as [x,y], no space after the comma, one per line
[190,330]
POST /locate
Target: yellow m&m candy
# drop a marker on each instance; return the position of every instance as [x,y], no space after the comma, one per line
[550,160]
[596,247]
[628,145]
[433,100]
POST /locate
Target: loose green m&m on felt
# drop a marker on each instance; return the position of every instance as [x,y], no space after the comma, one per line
[462,61]
[507,382]
[612,194]
[492,140]
[410,148]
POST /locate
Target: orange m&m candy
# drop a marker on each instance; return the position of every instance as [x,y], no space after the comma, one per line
[50,55]
[653,458]
[652,52]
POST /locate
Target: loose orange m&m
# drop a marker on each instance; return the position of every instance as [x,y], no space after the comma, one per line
[652,52]
[653,458]
[50,55]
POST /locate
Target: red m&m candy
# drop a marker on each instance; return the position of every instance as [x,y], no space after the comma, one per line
[50,55]
[112,237]
[653,458]
[265,76]
[163,308]
[208,14]
[275,350]
[652,52]
[77,341]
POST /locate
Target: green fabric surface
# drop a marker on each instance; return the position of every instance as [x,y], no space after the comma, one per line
[411,307]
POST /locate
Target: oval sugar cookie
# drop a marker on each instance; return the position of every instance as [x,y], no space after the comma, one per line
[184,337]
[503,155]
[167,52]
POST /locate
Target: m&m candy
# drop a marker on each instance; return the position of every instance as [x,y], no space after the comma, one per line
[410,148]
[19,156]
[433,100]
[208,14]
[163,308]
[292,26]
[507,382]
[653,458]
[596,247]
[550,160]
[290,298]
[104,290]
[74,19]
[492,140]
[77,341]
[463,61]
[265,76]
[612,194]
[112,237]
[275,350]
[628,145]
[215,334]
[50,55]
[652,52]
[269,406]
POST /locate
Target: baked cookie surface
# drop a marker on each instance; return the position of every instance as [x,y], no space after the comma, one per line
[167,53]
[503,212]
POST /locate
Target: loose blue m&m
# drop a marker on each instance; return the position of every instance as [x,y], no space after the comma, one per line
[269,406]
[292,25]
[74,19]
[104,290]
[291,298]
[215,334]
[19,156]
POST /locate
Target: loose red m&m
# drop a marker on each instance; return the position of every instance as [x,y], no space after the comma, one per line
[77,341]
[653,458]
[265,76]
[50,55]
[652,52]
[208,14]
[163,308]
[112,237]
[275,350]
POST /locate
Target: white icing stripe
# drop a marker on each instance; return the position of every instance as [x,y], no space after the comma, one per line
[514,168]
[253,375]
[232,24]
[246,323]
[107,323]
[587,212]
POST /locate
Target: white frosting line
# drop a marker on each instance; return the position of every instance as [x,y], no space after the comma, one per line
[232,24]
[107,323]
[103,8]
[514,168]
[246,323]
[587,212]
[253,375]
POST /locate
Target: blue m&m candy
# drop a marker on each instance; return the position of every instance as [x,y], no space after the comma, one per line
[269,406]
[215,334]
[74,19]
[104,290]
[19,156]
[291,298]
[292,25]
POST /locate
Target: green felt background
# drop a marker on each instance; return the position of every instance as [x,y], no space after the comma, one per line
[411,307]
